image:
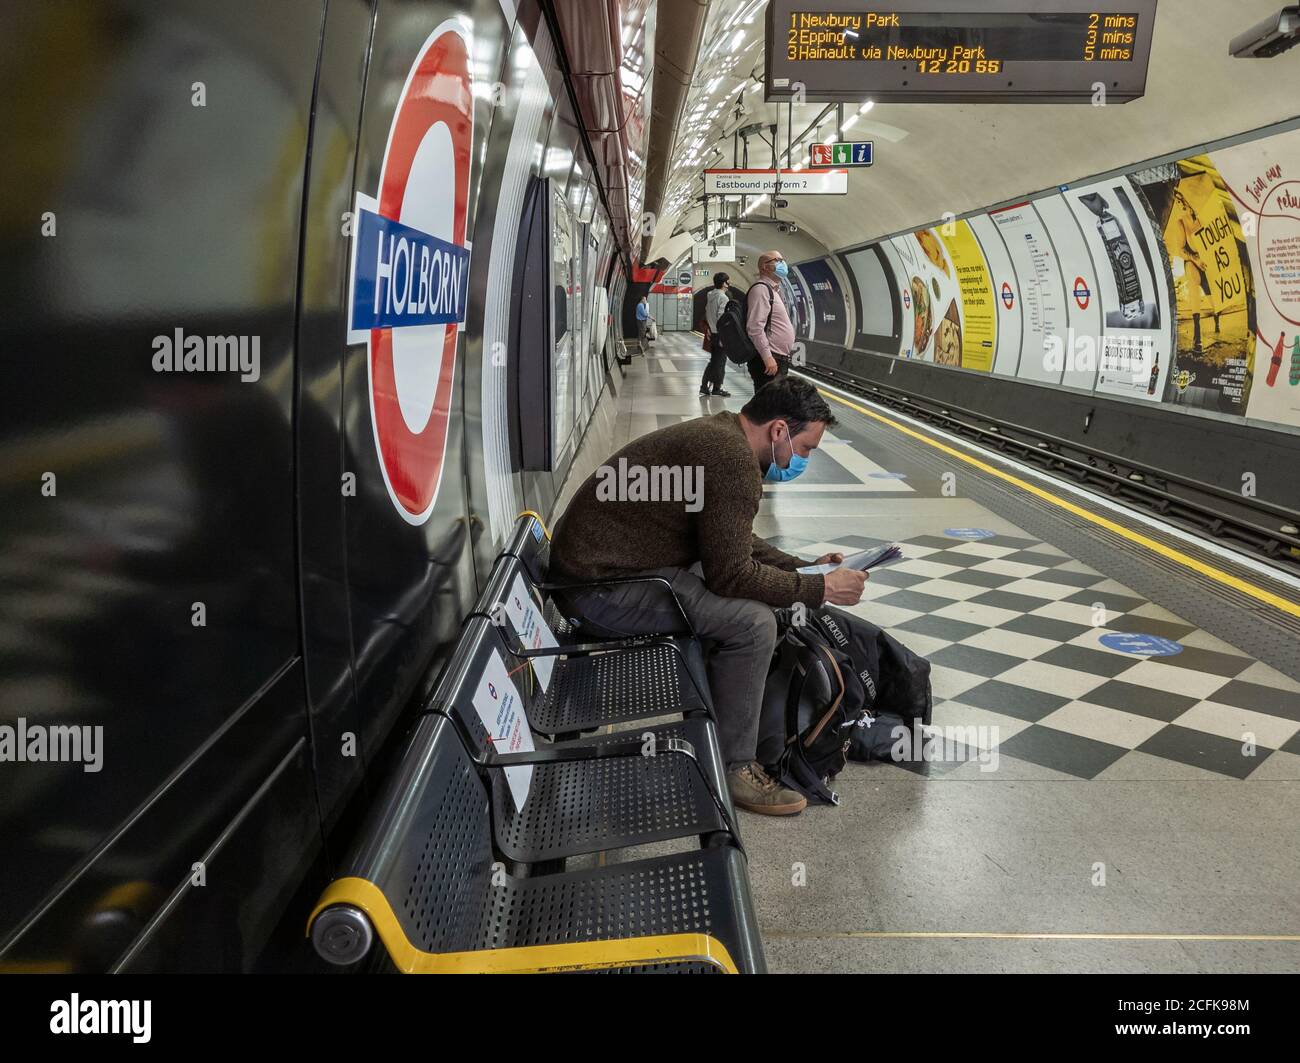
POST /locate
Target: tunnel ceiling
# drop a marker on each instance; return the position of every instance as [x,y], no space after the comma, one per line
[934,158]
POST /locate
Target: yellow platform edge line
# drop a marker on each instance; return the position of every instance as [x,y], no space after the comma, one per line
[1284,605]
[529,959]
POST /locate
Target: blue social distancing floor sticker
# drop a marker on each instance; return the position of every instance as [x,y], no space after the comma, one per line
[968,533]
[1142,645]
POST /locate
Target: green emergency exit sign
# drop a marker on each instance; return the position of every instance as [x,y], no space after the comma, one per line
[849,153]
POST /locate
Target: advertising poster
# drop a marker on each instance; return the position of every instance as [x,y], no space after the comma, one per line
[1131,288]
[1006,294]
[978,339]
[902,285]
[932,294]
[1201,228]
[798,301]
[877,316]
[1042,296]
[1079,356]
[825,312]
[1263,177]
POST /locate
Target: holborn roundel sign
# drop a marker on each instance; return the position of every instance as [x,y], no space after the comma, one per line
[409,274]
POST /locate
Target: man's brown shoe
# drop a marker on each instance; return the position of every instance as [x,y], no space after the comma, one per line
[755,791]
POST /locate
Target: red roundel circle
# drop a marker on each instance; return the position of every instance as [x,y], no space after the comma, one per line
[424,183]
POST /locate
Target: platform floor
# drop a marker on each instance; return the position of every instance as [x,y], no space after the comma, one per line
[1100,809]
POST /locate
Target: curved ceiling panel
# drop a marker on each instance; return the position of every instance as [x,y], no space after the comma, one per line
[936,158]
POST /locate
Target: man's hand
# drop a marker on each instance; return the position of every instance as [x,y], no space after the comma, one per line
[770,366]
[844,586]
[829,559]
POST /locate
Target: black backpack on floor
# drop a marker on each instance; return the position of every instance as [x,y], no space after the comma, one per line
[732,332]
[842,684]
[902,696]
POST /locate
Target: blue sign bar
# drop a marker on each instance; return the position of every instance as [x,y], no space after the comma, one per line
[406,277]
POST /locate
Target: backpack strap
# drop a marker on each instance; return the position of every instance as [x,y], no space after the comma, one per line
[794,695]
[771,305]
[835,704]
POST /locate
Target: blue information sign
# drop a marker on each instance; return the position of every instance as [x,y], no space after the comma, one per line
[1141,645]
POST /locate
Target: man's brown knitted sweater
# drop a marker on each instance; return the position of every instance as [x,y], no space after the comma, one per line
[601,536]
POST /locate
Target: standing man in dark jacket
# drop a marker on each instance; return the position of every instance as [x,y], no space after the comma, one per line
[730,605]
[768,322]
[717,367]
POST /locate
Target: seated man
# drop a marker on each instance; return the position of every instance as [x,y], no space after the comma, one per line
[718,465]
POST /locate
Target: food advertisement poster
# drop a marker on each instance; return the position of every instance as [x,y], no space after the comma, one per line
[978,341]
[932,294]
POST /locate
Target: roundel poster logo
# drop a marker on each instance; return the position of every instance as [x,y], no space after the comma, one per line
[408,286]
[1082,294]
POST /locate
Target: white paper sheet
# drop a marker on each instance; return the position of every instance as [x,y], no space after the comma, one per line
[502,712]
[532,629]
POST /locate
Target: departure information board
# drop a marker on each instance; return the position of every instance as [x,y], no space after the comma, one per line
[962,51]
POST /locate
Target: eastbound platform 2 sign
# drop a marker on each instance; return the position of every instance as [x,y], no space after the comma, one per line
[958,51]
[850,153]
[763,182]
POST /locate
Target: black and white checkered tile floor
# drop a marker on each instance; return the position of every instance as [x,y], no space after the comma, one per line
[1014,630]
[1012,626]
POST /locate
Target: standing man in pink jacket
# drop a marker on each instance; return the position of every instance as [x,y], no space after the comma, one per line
[768,322]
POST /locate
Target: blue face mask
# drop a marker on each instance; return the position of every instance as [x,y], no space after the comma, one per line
[781,268]
[776,474]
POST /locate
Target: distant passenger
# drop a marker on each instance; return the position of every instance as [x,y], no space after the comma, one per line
[642,322]
[717,367]
[768,322]
[705,523]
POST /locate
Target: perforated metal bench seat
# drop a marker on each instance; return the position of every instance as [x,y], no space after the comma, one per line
[596,681]
[647,783]
[592,805]
[618,687]
[423,879]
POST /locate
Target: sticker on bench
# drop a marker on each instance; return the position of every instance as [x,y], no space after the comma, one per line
[531,628]
[500,708]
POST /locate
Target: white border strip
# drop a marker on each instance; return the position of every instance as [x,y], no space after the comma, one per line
[1252,564]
